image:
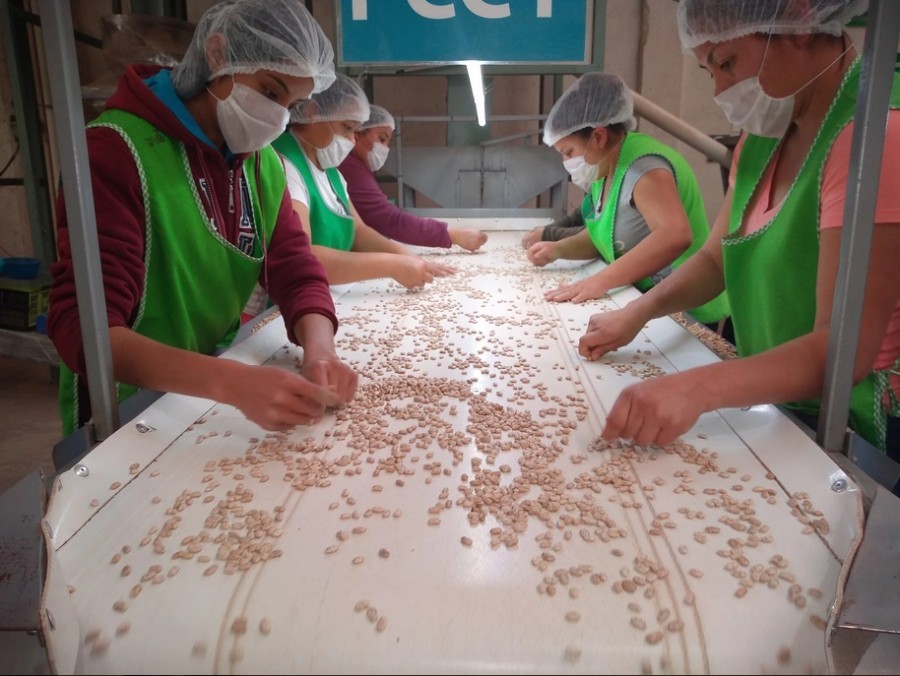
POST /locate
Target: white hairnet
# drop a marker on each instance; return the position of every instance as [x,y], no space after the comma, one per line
[276,35]
[378,117]
[343,100]
[595,100]
[701,21]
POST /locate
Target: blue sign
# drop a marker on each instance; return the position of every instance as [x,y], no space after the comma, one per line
[451,31]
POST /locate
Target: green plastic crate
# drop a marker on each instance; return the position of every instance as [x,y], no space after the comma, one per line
[22,300]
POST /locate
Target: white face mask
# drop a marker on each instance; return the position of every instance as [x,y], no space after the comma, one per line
[583,174]
[747,106]
[377,156]
[335,152]
[248,120]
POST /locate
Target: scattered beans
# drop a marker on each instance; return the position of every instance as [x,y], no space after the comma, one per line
[784,655]
[654,637]
[398,427]
[99,647]
[239,626]
[572,654]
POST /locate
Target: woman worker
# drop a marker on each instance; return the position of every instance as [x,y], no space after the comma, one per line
[373,139]
[192,210]
[318,140]
[643,211]
[787,73]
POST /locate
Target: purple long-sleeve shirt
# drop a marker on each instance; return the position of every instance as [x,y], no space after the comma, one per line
[377,211]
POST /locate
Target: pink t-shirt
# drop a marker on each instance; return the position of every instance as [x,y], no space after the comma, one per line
[834,189]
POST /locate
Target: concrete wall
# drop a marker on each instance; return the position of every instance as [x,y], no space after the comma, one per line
[641,45]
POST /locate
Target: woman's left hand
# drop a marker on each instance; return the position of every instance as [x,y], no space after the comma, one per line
[654,412]
[589,288]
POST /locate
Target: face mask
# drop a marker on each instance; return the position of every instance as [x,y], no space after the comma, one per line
[248,120]
[377,156]
[583,174]
[747,106]
[335,152]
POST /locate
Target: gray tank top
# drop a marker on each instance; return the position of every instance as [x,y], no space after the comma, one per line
[631,228]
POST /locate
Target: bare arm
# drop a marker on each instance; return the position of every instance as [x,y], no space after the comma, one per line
[321,364]
[269,396]
[375,257]
[367,239]
[656,198]
[696,281]
[656,412]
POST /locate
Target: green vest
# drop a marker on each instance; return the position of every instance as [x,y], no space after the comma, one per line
[327,228]
[602,226]
[196,283]
[771,273]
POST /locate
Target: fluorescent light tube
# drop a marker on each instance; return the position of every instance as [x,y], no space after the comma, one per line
[475,79]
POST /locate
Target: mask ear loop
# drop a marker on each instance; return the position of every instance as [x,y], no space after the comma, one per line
[823,71]
[768,41]
[216,97]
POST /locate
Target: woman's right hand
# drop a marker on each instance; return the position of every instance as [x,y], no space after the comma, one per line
[277,399]
[608,331]
[542,253]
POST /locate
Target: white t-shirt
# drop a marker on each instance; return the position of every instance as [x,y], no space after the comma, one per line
[300,193]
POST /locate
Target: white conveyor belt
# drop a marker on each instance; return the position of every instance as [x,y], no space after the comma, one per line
[457,516]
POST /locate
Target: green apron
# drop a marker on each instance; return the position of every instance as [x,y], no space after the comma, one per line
[185,305]
[602,226]
[771,273]
[327,228]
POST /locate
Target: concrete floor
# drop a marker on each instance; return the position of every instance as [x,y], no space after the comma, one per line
[29,419]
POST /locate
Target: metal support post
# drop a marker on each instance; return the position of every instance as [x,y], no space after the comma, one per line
[59,44]
[876,78]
